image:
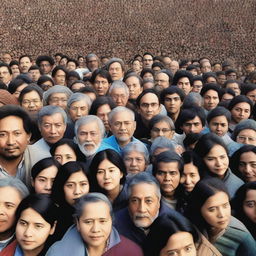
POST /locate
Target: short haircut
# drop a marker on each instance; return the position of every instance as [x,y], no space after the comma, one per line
[133,74]
[89,119]
[218,111]
[144,93]
[100,101]
[118,84]
[161,118]
[7,66]
[167,157]
[239,99]
[246,88]
[242,125]
[17,111]
[101,73]
[78,96]
[180,74]
[44,58]
[31,88]
[162,142]
[49,111]
[91,198]
[210,86]
[57,68]
[146,70]
[144,177]
[118,109]
[172,90]
[113,60]
[14,85]
[206,75]
[16,184]
[193,99]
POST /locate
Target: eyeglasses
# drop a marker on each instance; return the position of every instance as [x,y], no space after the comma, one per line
[164,130]
[244,138]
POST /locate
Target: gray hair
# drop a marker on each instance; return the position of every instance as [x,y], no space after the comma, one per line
[78,96]
[113,60]
[193,99]
[49,111]
[161,118]
[90,119]
[118,109]
[162,142]
[91,198]
[90,55]
[15,183]
[144,177]
[138,147]
[245,124]
[118,84]
[56,89]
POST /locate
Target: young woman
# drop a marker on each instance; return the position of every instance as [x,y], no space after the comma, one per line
[43,174]
[243,163]
[244,204]
[171,236]
[108,175]
[65,150]
[70,184]
[214,154]
[94,233]
[209,209]
[36,220]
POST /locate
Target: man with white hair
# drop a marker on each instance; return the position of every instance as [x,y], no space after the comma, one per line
[122,125]
[119,92]
[89,132]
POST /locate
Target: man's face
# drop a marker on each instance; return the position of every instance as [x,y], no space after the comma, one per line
[167,61]
[89,138]
[197,86]
[58,99]
[235,87]
[5,75]
[71,66]
[116,72]
[119,96]
[168,176]
[13,138]
[219,125]
[250,68]
[210,100]
[172,103]
[136,66]
[78,109]
[147,61]
[221,79]
[7,58]
[25,64]
[135,162]
[149,106]
[174,66]
[143,205]
[15,71]
[123,126]
[192,126]
[232,76]
[101,85]
[46,67]
[92,63]
[184,84]
[34,74]
[134,87]
[206,67]
[161,81]
[52,128]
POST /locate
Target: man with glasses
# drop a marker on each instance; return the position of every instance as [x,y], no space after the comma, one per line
[45,63]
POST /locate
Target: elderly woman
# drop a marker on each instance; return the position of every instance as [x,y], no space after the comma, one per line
[57,95]
[93,233]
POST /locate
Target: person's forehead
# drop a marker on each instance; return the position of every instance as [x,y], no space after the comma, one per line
[149,97]
[148,56]
[90,126]
[122,115]
[115,65]
[54,117]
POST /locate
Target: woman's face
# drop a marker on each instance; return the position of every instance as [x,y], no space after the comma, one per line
[249,205]
[189,177]
[247,166]
[217,161]
[216,211]
[95,225]
[180,243]
[108,176]
[31,102]
[76,186]
[241,111]
[32,231]
[44,180]
[64,154]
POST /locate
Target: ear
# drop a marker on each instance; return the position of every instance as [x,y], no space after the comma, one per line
[134,125]
[29,137]
[53,228]
[77,225]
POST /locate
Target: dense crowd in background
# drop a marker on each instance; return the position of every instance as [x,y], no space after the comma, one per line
[151,156]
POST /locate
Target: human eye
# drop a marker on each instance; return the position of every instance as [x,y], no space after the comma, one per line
[209,158]
[89,222]
[22,222]
[69,185]
[173,173]
[2,134]
[84,184]
[223,157]
[161,173]
[134,200]
[211,209]
[253,165]
[148,201]
[39,226]
[172,253]
[41,179]
[250,204]
[9,205]
[188,248]
[226,205]
[103,221]
[100,171]
[17,133]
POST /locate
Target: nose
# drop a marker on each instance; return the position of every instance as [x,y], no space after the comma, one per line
[142,207]
[95,227]
[220,213]
[187,180]
[48,185]
[218,162]
[10,139]
[77,190]
[133,162]
[161,133]
[248,169]
[28,231]
[53,129]
[78,112]
[106,175]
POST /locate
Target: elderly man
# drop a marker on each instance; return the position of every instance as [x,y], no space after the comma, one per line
[5,73]
[15,133]
[116,68]
[89,132]
[92,62]
[52,123]
[119,92]
[122,125]
[143,208]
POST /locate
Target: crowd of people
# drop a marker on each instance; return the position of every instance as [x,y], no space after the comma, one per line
[152,157]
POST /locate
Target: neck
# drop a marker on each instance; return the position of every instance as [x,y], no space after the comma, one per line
[7,234]
[34,252]
[10,165]
[169,196]
[96,251]
[123,143]
[174,116]
[113,194]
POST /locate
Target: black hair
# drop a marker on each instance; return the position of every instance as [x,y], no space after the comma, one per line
[172,90]
[146,70]
[57,68]
[100,101]
[14,85]
[14,110]
[211,86]
[44,58]
[144,93]
[7,66]
[31,88]
[191,138]
[114,158]
[206,75]
[23,56]
[102,73]
[228,91]
[43,164]
[246,88]
[133,74]
[180,74]
[239,99]
[163,228]
[218,111]
[74,61]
